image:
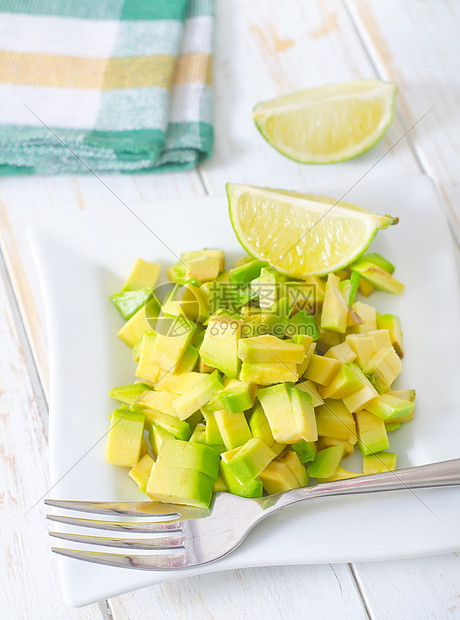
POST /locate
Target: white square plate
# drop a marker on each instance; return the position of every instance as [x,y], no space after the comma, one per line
[84,257]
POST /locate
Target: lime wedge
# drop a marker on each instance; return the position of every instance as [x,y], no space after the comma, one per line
[328,124]
[300,234]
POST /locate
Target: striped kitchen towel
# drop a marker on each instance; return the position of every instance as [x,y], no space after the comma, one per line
[104,85]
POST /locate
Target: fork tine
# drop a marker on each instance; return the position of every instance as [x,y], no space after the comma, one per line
[138,527]
[141,562]
[132,509]
[170,542]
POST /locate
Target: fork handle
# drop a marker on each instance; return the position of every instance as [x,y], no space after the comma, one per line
[444,474]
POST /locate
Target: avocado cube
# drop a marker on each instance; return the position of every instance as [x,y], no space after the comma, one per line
[188,300]
[302,324]
[143,275]
[327,340]
[329,442]
[267,373]
[178,428]
[304,414]
[246,272]
[274,318]
[180,383]
[159,401]
[364,287]
[157,434]
[326,462]
[392,323]
[355,279]
[309,348]
[186,455]
[379,260]
[341,352]
[269,348]
[378,278]
[259,425]
[237,396]
[277,405]
[305,450]
[233,428]
[364,346]
[334,420]
[381,338]
[220,345]
[404,394]
[292,460]
[268,286]
[304,295]
[310,388]
[179,486]
[129,394]
[372,435]
[174,335]
[129,302]
[124,437]
[277,477]
[379,463]
[322,369]
[213,436]
[317,286]
[344,383]
[252,489]
[141,470]
[340,474]
[368,315]
[388,407]
[219,485]
[148,368]
[216,254]
[199,434]
[334,314]
[358,400]
[143,320]
[250,460]
[189,360]
[383,369]
[186,404]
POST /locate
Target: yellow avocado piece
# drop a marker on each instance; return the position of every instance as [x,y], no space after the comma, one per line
[278,477]
[220,345]
[365,288]
[330,442]
[219,485]
[372,435]
[343,384]
[292,460]
[341,352]
[161,401]
[249,460]
[328,340]
[148,368]
[340,474]
[309,348]
[334,420]
[174,485]
[310,388]
[392,323]
[358,400]
[124,438]
[141,470]
[186,404]
[322,369]
[379,463]
[215,254]
[233,428]
[144,320]
[277,405]
[267,373]
[174,335]
[368,315]
[304,414]
[142,275]
[180,383]
[383,368]
[268,348]
[364,347]
[334,314]
[381,338]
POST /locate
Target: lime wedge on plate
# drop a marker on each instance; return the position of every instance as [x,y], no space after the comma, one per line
[328,124]
[300,234]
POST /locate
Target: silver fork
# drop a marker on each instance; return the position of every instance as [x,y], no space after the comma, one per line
[185,537]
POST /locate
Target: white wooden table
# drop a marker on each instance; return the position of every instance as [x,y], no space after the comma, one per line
[263,48]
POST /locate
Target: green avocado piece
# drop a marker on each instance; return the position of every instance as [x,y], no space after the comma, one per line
[129,394]
[208,387]
[144,319]
[157,434]
[179,486]
[392,426]
[220,345]
[267,373]
[354,286]
[387,406]
[124,438]
[199,434]
[178,428]
[381,462]
[186,455]
[174,335]
[392,323]
[372,434]
[233,427]
[189,360]
[304,413]
[302,324]
[291,459]
[334,316]
[274,318]
[277,405]
[378,260]
[215,254]
[277,477]
[237,396]
[213,436]
[379,278]
[345,289]
[250,460]
[269,348]
[247,272]
[188,300]
[129,302]
[259,425]
[343,384]
[326,462]
[305,450]
[252,489]
[268,286]
[143,275]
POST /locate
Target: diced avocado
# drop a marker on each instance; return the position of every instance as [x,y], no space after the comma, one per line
[340,474]
[341,352]
[343,384]
[144,447]
[174,335]
[180,383]
[334,314]
[136,351]
[363,396]
[130,302]
[380,462]
[404,394]
[141,470]
[302,324]
[186,404]
[364,346]
[342,274]
[387,407]
[194,419]
[143,275]
[365,288]
[326,462]
[304,296]
[379,260]
[220,345]
[334,420]
[304,413]
[252,489]
[233,428]
[309,348]
[179,486]
[378,278]
[259,425]
[372,435]
[186,455]
[219,485]
[291,459]
[354,287]
[148,368]
[322,369]
[250,460]
[268,286]
[392,426]
[310,388]
[143,320]
[202,268]
[246,272]
[270,349]
[267,373]
[216,254]
[178,428]
[124,437]
[392,323]
[305,450]
[383,369]
[368,315]
[157,434]
[189,360]
[381,338]
[129,394]
[187,300]
[213,436]
[345,289]
[237,396]
[327,340]
[329,442]
[277,477]
[199,434]
[318,286]
[243,260]
[159,400]
[277,405]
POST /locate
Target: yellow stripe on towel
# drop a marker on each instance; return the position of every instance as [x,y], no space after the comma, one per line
[194,68]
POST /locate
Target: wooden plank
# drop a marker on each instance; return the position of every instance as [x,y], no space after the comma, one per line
[270,593]
[418,47]
[28,572]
